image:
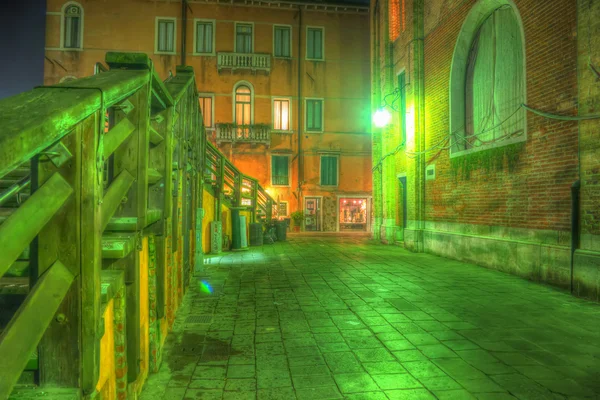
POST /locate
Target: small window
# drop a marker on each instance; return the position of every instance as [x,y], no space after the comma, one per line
[281,114]
[165,37]
[329,170]
[282,41]
[72,27]
[282,210]
[314,115]
[243,38]
[206,106]
[280,171]
[204,37]
[314,44]
[402,111]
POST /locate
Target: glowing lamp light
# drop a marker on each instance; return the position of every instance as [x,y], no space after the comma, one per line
[382,118]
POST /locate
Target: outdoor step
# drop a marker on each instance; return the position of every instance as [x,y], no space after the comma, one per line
[14,286]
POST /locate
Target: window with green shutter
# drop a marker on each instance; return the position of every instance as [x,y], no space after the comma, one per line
[243,38]
[204,37]
[166,36]
[314,115]
[281,41]
[314,44]
[329,170]
[280,171]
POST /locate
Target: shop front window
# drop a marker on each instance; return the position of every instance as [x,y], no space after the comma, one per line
[353,214]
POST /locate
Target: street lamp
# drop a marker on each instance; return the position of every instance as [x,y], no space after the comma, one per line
[382,118]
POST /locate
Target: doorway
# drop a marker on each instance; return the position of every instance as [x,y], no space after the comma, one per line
[313,218]
[354,214]
[401,218]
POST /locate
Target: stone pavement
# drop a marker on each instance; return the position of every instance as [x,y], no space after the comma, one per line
[332,318]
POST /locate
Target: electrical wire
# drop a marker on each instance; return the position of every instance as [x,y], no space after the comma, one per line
[560,117]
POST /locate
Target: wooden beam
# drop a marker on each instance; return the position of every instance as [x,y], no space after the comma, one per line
[154,176]
[53,112]
[155,137]
[24,224]
[122,224]
[26,328]
[113,197]
[111,282]
[115,246]
[153,216]
[117,135]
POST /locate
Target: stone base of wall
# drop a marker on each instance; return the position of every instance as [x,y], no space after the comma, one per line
[534,260]
[586,274]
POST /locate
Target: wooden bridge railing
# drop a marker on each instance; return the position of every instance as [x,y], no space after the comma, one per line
[113,157]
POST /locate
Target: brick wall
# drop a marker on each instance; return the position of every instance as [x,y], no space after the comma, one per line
[536,195]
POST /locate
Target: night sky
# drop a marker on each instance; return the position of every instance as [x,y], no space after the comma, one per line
[22,30]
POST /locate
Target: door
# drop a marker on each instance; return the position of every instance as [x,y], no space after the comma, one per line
[312,214]
[401,217]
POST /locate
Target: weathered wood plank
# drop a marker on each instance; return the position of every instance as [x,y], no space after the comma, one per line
[117,246]
[155,137]
[112,199]
[22,226]
[111,282]
[122,224]
[26,328]
[153,216]
[53,112]
[91,254]
[154,176]
[117,135]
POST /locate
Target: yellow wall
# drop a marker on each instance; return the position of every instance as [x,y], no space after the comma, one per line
[208,203]
[107,381]
[226,220]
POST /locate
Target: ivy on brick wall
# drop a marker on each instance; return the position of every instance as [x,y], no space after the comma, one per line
[494,159]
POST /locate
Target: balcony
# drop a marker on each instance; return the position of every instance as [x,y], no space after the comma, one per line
[251,61]
[254,134]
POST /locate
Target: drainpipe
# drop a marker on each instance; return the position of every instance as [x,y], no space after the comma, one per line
[183,30]
[299,117]
[575,189]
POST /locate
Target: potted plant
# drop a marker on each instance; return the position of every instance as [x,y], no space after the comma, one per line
[297,217]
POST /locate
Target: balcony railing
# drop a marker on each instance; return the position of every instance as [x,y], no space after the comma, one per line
[251,61]
[231,133]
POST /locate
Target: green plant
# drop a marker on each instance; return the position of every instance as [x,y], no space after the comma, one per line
[297,217]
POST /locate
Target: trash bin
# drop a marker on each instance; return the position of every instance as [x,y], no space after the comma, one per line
[281,230]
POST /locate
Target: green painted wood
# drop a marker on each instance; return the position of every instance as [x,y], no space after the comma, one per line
[155,137]
[154,176]
[153,215]
[20,338]
[117,135]
[53,112]
[19,269]
[111,281]
[17,232]
[122,224]
[113,197]
[115,246]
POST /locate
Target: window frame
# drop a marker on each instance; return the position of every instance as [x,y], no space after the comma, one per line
[287,208]
[337,179]
[235,25]
[478,14]
[322,28]
[289,99]
[62,26]
[306,100]
[289,184]
[156,24]
[234,102]
[214,31]
[212,109]
[289,27]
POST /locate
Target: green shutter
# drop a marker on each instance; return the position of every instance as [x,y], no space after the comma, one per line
[310,44]
[280,170]
[329,171]
[402,87]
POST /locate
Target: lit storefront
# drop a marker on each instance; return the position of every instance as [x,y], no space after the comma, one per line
[354,214]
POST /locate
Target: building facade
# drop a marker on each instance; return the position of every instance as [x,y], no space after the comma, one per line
[493,121]
[284,87]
